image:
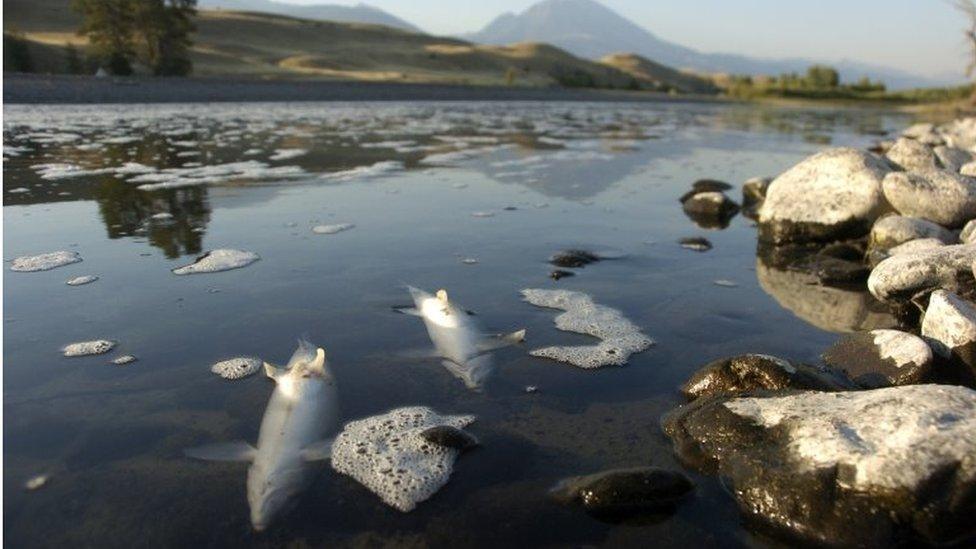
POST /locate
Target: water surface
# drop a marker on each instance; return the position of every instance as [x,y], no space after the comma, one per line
[409,176]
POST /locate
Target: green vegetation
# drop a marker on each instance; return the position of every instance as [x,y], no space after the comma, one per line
[155,33]
[819,82]
[16,53]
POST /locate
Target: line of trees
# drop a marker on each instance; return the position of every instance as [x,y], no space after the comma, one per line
[154,33]
[818,81]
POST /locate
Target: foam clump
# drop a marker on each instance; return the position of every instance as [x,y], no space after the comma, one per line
[332,229]
[88,348]
[44,262]
[81,280]
[215,261]
[619,337]
[388,454]
[286,154]
[237,368]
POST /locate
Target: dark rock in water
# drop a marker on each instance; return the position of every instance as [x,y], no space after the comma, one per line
[449,437]
[710,210]
[558,273]
[881,358]
[622,494]
[739,374]
[753,195]
[573,259]
[877,468]
[696,243]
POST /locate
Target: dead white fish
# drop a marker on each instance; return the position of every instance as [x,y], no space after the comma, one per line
[302,413]
[458,337]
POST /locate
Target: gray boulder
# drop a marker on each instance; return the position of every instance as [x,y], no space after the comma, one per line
[924,132]
[743,373]
[953,158]
[875,468]
[913,156]
[949,325]
[909,276]
[892,230]
[968,233]
[943,197]
[832,195]
[753,195]
[881,358]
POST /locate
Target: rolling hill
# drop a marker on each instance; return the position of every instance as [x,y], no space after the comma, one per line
[262,45]
[362,13]
[589,29]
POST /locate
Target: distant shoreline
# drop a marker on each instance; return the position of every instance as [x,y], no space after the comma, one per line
[73,89]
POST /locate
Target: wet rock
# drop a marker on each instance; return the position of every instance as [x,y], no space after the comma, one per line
[696,243]
[953,158]
[925,132]
[943,197]
[834,309]
[912,246]
[739,374]
[710,210]
[449,437]
[909,276]
[753,195]
[910,155]
[949,325]
[832,195]
[892,230]
[881,358]
[835,264]
[558,273]
[573,259]
[968,233]
[864,468]
[624,494]
[705,186]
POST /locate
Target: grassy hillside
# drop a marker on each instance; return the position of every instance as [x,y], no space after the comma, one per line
[272,46]
[657,75]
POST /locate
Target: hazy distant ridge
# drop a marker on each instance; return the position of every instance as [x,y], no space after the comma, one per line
[361,13]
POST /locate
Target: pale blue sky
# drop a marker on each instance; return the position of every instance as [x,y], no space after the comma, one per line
[922,36]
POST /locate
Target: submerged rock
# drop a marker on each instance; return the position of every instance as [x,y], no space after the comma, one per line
[832,195]
[913,156]
[750,372]
[559,273]
[949,325]
[449,437]
[44,262]
[619,337]
[863,468]
[892,230]
[88,348]
[218,260]
[881,358]
[943,197]
[573,259]
[389,455]
[237,368]
[622,494]
[908,276]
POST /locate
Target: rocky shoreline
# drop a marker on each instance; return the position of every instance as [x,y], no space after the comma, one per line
[875,445]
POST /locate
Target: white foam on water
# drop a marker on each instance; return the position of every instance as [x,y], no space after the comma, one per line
[36,482]
[81,280]
[619,337]
[333,228]
[387,455]
[237,368]
[44,262]
[19,190]
[215,261]
[124,359]
[364,172]
[88,348]
[287,154]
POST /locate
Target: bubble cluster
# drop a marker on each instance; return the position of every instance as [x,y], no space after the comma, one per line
[237,368]
[44,262]
[620,338]
[218,260]
[387,454]
[87,348]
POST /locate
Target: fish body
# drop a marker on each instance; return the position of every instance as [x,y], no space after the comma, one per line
[302,412]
